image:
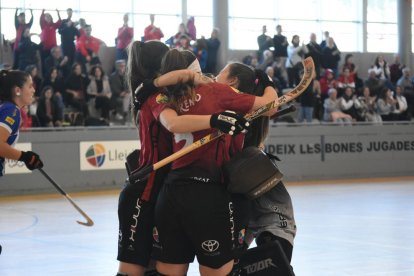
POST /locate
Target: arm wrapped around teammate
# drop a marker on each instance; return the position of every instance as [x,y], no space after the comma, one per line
[31,160]
[229,122]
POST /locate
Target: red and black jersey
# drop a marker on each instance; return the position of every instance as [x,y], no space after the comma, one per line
[148,131]
[211,98]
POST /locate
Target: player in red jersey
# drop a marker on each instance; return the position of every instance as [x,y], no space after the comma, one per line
[136,202]
[194,212]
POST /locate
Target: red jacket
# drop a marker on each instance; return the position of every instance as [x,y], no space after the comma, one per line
[124,37]
[85,43]
[155,35]
[48,34]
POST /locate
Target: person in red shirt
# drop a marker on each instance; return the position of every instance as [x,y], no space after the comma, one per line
[152,32]
[20,25]
[87,48]
[48,34]
[194,212]
[125,35]
[327,82]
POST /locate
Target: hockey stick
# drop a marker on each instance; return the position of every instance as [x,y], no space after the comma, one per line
[282,112]
[309,72]
[89,221]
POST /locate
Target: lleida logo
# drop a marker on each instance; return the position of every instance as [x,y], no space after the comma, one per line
[105,155]
[95,155]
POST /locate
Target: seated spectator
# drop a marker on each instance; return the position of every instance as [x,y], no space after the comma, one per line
[251,60]
[349,104]
[345,80]
[382,71]
[396,69]
[332,110]
[27,121]
[368,107]
[278,81]
[401,106]
[267,60]
[37,81]
[87,48]
[55,81]
[386,105]
[56,60]
[353,71]
[28,51]
[373,83]
[75,93]
[350,65]
[327,82]
[99,91]
[406,83]
[49,112]
[121,98]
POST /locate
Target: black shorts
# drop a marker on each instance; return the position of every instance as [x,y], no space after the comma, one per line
[136,221]
[194,217]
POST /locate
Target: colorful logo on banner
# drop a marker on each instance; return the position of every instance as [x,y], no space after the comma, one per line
[96,155]
[105,155]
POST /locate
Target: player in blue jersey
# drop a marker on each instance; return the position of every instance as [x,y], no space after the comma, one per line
[16,91]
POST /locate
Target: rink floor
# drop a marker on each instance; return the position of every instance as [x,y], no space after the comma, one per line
[356,227]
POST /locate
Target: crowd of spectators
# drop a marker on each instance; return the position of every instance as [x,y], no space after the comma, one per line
[71,85]
[337,93]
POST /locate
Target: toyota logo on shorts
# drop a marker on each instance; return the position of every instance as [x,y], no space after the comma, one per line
[210,245]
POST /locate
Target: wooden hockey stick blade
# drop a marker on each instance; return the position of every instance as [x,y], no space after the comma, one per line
[89,221]
[309,72]
[282,112]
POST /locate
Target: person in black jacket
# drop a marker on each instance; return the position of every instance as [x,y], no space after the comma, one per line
[68,32]
[27,51]
[315,51]
[331,56]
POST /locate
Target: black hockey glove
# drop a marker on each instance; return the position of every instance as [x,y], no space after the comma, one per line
[142,93]
[263,78]
[229,122]
[31,160]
